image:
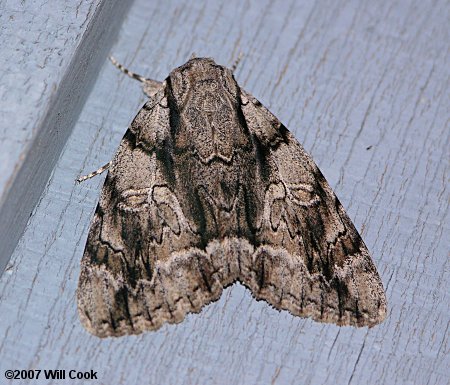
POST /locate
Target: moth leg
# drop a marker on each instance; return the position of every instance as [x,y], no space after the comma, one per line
[150,86]
[94,173]
[237,61]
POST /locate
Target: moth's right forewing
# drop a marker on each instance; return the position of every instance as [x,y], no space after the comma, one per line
[311,259]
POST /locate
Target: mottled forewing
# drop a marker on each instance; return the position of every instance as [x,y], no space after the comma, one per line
[312,261]
[139,269]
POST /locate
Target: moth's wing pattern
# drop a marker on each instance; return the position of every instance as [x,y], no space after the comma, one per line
[312,261]
[133,277]
[211,188]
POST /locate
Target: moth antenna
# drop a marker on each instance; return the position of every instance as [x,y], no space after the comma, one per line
[236,62]
[127,72]
[150,86]
[94,173]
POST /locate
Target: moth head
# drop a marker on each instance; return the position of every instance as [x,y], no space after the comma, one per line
[201,77]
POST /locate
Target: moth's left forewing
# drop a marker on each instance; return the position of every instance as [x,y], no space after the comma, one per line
[141,267]
[311,261]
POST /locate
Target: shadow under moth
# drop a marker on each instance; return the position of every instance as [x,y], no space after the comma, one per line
[208,188]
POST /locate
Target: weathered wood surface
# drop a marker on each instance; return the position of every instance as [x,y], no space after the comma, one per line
[50,53]
[364,86]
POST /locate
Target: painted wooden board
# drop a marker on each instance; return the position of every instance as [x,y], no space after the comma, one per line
[364,86]
[51,52]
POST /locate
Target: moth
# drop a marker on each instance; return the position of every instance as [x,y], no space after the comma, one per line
[206,189]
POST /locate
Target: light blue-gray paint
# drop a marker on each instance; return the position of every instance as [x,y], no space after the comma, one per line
[51,53]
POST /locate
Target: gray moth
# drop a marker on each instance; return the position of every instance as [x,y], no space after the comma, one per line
[206,189]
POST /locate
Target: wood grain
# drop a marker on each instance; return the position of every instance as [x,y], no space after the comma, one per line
[51,53]
[364,86]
